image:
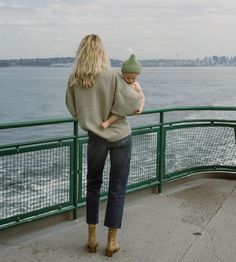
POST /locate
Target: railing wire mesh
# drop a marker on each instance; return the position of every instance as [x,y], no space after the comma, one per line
[34,180]
[143,162]
[199,147]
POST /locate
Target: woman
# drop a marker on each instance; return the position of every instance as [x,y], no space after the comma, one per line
[94,92]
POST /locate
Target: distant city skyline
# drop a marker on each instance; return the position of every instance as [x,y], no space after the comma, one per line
[165,29]
[68,61]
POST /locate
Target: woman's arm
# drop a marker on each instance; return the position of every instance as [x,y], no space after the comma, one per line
[70,101]
[136,86]
[109,121]
[126,100]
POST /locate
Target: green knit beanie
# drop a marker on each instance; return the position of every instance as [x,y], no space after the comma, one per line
[131,66]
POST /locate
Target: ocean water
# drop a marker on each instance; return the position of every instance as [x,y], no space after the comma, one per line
[29,93]
[34,180]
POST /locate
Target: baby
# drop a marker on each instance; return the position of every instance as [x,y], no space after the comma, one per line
[130,69]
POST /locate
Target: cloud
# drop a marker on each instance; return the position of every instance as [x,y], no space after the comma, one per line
[153,29]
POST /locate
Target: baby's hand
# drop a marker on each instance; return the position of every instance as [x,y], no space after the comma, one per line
[135,84]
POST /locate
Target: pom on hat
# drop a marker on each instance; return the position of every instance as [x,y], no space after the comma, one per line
[131,66]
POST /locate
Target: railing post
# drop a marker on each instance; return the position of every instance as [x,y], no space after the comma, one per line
[80,172]
[161,157]
[235,134]
[75,174]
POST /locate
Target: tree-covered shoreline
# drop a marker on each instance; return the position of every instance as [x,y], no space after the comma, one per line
[68,61]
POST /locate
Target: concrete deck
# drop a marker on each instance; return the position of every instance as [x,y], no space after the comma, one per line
[193,220]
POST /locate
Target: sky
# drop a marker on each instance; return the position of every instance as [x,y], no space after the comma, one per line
[152,29]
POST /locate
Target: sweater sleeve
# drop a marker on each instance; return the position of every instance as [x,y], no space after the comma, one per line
[70,101]
[126,100]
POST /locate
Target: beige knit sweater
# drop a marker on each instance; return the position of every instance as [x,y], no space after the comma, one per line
[110,94]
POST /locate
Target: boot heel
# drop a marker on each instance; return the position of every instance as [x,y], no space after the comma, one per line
[109,253]
[92,249]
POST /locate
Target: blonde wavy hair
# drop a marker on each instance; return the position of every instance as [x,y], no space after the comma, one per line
[90,60]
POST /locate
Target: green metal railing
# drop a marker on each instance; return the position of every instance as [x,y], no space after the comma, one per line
[44,177]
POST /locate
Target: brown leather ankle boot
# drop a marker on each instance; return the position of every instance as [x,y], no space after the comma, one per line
[112,245]
[92,239]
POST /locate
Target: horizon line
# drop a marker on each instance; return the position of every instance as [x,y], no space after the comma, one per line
[176,58]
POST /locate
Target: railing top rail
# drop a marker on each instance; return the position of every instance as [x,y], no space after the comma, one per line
[189,108]
[39,122]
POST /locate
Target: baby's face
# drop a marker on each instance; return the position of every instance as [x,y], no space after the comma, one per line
[130,78]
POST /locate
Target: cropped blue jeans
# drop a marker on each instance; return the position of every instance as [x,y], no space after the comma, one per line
[120,155]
